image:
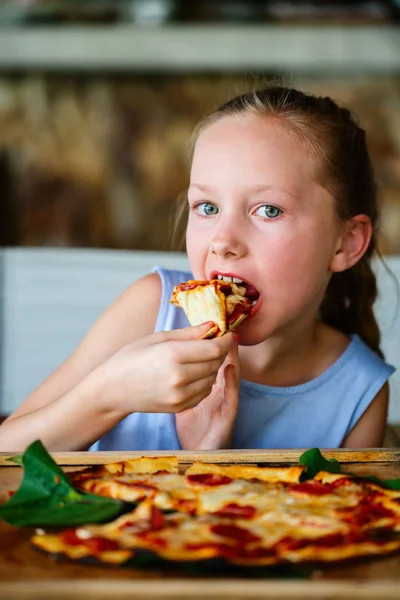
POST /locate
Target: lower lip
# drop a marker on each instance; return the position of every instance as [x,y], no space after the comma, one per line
[256,308]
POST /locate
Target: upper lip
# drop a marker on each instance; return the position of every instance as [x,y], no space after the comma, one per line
[215,273]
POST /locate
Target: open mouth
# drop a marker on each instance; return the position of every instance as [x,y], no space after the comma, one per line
[238,287]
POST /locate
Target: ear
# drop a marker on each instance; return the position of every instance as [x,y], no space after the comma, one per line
[353,242]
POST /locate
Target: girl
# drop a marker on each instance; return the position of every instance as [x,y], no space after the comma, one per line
[282,196]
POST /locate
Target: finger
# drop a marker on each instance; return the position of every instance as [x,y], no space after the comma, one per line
[197,351]
[208,350]
[198,370]
[186,333]
[192,402]
[196,391]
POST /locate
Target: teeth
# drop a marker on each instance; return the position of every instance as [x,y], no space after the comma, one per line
[229,279]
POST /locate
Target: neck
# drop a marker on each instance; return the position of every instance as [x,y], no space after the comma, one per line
[284,360]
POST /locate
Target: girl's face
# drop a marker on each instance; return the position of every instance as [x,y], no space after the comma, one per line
[257,213]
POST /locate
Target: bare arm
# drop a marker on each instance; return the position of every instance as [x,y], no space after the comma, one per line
[67,410]
[369,431]
[112,374]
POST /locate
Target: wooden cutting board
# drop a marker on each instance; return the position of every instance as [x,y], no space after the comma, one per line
[27,574]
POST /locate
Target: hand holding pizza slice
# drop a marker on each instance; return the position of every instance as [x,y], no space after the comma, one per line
[224,301]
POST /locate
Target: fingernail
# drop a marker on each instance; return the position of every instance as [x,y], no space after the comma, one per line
[236,336]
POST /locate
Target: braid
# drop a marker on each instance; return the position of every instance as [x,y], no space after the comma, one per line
[345,170]
[348,303]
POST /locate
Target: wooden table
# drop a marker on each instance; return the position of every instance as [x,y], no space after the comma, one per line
[27,574]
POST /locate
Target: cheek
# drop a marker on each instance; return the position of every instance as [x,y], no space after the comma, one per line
[197,249]
[300,262]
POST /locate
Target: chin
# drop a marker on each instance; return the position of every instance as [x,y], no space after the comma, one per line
[250,334]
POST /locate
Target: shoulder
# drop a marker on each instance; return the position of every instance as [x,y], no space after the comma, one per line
[352,352]
[363,379]
[169,316]
[147,298]
[139,302]
[369,429]
[171,277]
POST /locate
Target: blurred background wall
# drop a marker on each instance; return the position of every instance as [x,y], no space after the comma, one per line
[98,100]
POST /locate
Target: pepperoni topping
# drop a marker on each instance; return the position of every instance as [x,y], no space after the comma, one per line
[225,288]
[157,519]
[326,541]
[341,482]
[70,538]
[237,534]
[187,506]
[155,522]
[210,479]
[99,544]
[310,488]
[251,293]
[191,285]
[235,511]
[95,544]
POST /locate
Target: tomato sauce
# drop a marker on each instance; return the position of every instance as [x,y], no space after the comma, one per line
[313,488]
[237,534]
[209,479]
[366,511]
[239,310]
[157,519]
[236,511]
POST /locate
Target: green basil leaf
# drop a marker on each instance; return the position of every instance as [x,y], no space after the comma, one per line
[389,484]
[47,498]
[18,460]
[314,462]
[60,513]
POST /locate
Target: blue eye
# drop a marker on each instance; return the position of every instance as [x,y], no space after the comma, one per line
[206,209]
[268,211]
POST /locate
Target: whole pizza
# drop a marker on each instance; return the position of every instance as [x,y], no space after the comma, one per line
[243,515]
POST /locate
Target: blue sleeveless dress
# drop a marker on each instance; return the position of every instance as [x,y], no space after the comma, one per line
[319,413]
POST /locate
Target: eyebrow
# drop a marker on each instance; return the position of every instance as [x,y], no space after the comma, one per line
[255,189]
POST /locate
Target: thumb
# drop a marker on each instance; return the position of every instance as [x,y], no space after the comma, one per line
[232,358]
[231,379]
[231,393]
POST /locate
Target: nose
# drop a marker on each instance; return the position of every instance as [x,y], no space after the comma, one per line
[228,242]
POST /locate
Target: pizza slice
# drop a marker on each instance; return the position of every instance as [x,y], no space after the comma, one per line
[225,303]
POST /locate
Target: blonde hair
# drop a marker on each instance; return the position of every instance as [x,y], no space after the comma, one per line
[344,168]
